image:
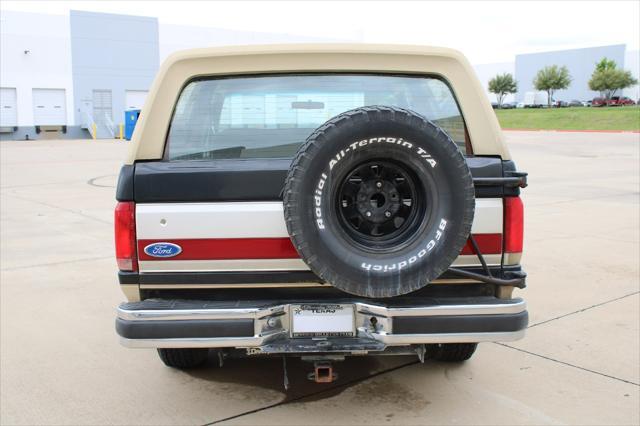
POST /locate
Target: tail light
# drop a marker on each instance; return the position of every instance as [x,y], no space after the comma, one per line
[513,224]
[125,230]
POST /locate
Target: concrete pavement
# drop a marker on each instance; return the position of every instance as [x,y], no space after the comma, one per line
[60,362]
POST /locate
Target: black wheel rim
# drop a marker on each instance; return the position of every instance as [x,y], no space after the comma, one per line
[380,204]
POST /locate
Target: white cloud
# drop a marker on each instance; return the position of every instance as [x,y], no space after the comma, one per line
[485,31]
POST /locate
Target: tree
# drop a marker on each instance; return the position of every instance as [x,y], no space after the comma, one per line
[501,85]
[607,78]
[605,64]
[550,79]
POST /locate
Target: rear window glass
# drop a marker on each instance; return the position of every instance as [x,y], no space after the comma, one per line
[271,116]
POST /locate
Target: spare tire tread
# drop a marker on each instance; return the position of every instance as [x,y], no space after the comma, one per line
[312,145]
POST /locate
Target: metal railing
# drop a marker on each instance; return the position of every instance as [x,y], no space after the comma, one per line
[109,125]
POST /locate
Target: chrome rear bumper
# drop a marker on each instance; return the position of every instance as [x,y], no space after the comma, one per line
[192,324]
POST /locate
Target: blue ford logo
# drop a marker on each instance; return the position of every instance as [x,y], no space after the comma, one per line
[163,249]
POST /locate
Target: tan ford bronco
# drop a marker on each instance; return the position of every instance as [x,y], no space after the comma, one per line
[318,201]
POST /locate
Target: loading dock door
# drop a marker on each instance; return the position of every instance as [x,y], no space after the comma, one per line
[8,107]
[49,107]
[134,99]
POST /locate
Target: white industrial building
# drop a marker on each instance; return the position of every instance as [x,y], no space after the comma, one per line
[74,76]
[36,83]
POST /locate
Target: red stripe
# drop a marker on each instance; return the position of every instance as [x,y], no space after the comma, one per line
[487,243]
[226,248]
[271,248]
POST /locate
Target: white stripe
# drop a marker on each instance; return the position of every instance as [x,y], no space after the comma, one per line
[257,265]
[488,216]
[472,260]
[210,220]
[254,220]
[243,265]
[274,285]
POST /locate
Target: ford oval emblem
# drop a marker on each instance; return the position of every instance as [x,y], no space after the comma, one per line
[163,249]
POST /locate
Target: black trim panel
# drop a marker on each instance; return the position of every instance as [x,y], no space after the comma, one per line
[128,277]
[461,324]
[202,181]
[486,167]
[510,170]
[184,329]
[270,297]
[244,180]
[496,271]
[124,188]
[267,277]
[465,293]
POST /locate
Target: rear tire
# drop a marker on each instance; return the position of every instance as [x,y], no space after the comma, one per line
[184,359]
[451,352]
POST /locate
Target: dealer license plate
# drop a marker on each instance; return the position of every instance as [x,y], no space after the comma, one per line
[322,320]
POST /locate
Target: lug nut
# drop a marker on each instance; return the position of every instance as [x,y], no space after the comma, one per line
[379,184]
[368,214]
[387,214]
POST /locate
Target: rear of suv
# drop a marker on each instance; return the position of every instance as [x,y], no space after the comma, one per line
[318,201]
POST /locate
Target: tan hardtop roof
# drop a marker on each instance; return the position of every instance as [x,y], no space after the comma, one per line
[180,67]
[293,48]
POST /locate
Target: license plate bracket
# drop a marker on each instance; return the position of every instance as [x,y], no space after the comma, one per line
[322,320]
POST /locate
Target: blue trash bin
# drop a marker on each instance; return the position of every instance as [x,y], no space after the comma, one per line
[130,120]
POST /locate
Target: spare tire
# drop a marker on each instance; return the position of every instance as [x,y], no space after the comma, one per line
[379,201]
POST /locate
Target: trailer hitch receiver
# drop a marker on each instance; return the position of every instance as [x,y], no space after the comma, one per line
[323,372]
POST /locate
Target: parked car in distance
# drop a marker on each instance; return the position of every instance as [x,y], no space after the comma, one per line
[558,104]
[520,105]
[586,103]
[620,101]
[508,105]
[599,102]
[494,105]
[575,103]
